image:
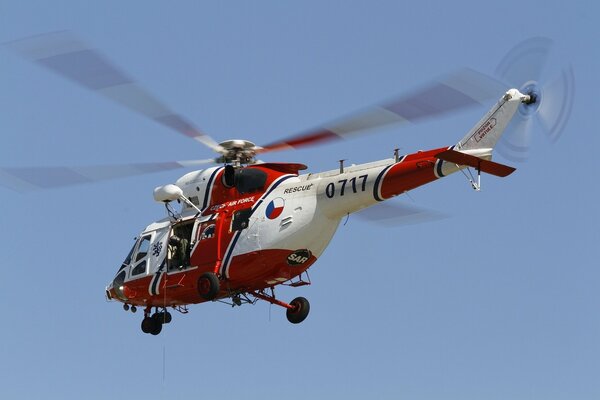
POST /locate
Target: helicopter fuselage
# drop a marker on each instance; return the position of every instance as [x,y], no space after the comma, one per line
[244,230]
[266,229]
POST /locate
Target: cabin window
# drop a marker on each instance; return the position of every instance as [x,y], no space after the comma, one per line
[208,232]
[250,180]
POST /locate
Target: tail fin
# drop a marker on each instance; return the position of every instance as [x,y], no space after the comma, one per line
[485,134]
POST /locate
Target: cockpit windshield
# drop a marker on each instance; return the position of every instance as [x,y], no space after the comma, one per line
[128,258]
[136,259]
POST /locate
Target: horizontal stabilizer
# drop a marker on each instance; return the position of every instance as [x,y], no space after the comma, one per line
[489,167]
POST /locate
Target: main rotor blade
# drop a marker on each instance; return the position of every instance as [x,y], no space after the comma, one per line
[68,56]
[26,179]
[461,89]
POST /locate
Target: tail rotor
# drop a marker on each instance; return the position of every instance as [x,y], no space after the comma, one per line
[551,102]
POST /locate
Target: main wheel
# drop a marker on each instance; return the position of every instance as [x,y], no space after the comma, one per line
[148,324]
[299,312]
[208,286]
[164,317]
[157,323]
[167,317]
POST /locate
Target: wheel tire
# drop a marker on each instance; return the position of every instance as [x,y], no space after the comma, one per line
[299,312]
[148,324]
[208,286]
[164,317]
[156,323]
[167,318]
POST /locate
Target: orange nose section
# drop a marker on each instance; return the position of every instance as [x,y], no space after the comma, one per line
[129,292]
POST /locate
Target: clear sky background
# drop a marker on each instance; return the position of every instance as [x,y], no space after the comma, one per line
[498,301]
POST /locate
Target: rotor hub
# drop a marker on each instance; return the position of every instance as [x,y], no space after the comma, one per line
[237,152]
[533,90]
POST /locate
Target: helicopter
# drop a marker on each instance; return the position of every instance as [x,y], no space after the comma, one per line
[236,230]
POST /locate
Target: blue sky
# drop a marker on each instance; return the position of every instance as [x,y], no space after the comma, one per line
[498,301]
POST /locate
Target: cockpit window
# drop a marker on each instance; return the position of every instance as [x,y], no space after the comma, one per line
[117,285]
[250,180]
[139,269]
[143,248]
[139,264]
[128,259]
[119,279]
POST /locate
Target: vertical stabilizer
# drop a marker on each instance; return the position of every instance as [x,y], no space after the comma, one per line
[485,134]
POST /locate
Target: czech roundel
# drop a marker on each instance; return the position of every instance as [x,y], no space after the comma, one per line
[275,208]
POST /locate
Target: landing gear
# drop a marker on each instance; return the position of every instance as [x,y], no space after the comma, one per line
[126,307]
[299,311]
[164,317]
[208,286]
[153,324]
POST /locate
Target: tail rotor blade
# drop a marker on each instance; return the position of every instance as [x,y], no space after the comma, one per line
[525,62]
[523,67]
[557,103]
[515,142]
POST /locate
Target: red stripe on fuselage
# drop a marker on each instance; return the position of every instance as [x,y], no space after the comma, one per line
[415,170]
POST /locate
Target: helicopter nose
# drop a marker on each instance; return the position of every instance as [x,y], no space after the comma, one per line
[116,290]
[120,293]
[112,292]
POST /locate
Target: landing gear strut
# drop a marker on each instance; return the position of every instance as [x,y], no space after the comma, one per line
[297,309]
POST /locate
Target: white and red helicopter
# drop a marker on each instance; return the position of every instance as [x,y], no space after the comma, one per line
[246,226]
